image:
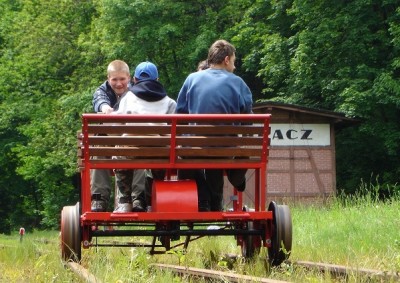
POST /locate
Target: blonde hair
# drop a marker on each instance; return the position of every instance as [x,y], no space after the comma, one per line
[118,66]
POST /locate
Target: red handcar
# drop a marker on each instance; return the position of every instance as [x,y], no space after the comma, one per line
[176,142]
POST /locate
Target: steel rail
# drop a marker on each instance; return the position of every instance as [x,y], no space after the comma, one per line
[214,274]
[340,270]
[82,272]
[334,269]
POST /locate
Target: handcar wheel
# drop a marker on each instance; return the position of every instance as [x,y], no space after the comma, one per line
[281,239]
[248,249]
[71,233]
[166,242]
[250,244]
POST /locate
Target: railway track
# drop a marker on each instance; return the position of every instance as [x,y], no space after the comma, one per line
[344,271]
[82,272]
[214,274]
[335,270]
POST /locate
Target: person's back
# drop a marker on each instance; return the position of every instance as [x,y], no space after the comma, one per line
[146,96]
[216,90]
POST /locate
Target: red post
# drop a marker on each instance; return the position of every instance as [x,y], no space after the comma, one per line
[21,233]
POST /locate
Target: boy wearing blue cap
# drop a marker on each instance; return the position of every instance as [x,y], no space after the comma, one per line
[146,96]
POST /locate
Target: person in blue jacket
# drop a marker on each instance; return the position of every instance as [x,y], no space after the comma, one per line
[216,90]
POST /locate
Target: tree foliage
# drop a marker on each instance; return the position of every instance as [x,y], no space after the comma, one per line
[340,56]
[335,55]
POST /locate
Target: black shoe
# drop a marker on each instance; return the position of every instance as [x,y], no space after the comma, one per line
[241,187]
[216,203]
[216,207]
[98,205]
[204,205]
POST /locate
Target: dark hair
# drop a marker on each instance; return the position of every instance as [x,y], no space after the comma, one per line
[203,65]
[219,50]
[145,75]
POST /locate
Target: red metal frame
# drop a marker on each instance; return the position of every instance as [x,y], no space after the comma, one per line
[92,218]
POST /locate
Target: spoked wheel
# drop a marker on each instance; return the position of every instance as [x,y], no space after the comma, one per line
[281,239]
[71,233]
[251,243]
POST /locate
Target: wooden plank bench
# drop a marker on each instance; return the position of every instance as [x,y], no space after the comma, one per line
[173,141]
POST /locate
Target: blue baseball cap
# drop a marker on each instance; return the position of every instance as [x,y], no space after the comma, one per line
[146,71]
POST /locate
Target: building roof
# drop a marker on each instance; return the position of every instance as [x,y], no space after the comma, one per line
[335,117]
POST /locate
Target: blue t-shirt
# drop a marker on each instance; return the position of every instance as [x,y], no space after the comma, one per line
[214,91]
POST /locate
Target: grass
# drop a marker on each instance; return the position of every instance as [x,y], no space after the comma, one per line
[35,259]
[360,232]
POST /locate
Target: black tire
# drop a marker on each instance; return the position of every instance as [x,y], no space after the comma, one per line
[281,240]
[71,233]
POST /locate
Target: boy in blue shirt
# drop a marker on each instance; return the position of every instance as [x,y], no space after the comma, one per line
[216,90]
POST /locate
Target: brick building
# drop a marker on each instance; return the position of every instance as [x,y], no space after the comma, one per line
[302,161]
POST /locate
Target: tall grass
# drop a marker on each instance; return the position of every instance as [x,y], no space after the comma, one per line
[359,231]
[34,259]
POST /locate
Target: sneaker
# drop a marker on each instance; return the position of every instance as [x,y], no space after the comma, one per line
[137,206]
[123,208]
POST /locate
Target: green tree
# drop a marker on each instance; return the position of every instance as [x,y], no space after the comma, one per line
[39,54]
[265,38]
[175,35]
[340,56]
